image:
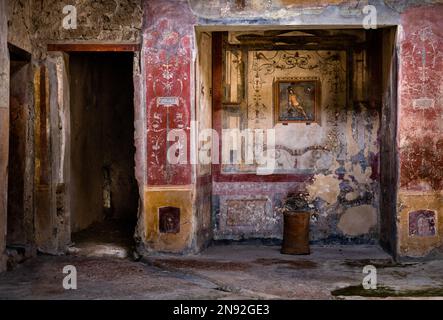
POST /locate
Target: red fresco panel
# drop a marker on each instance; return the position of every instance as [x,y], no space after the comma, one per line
[420,89]
[167,57]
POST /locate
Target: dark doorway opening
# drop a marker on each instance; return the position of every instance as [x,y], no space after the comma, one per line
[104,192]
[19,214]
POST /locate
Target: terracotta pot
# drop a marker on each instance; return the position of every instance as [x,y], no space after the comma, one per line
[296,233]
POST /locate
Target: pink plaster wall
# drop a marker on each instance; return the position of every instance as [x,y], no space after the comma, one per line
[167,49]
[420,99]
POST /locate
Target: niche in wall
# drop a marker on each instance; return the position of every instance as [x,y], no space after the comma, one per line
[335,158]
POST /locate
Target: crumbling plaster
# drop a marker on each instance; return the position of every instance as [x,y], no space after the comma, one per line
[19,34]
[21,155]
[358,220]
[100,21]
[20,24]
[294,12]
[34,24]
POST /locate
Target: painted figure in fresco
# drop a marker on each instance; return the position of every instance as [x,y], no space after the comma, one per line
[422,223]
[294,104]
[425,227]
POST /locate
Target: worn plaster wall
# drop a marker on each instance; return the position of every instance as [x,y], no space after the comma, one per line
[16,17]
[167,56]
[20,24]
[97,21]
[60,132]
[295,12]
[420,196]
[4,129]
[20,192]
[203,114]
[388,146]
[51,210]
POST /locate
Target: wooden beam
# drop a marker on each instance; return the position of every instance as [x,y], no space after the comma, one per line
[90,47]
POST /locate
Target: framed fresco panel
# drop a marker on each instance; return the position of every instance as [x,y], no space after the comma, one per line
[422,223]
[297,100]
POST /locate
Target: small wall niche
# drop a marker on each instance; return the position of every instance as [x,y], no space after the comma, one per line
[169,220]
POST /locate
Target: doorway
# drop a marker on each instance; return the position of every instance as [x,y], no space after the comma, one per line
[19,217]
[104,192]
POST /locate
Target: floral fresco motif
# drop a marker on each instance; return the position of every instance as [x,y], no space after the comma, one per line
[168,64]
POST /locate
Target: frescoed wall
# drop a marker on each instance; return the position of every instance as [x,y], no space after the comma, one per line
[336,158]
[370,158]
[421,133]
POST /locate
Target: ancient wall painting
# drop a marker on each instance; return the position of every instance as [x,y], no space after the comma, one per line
[239,211]
[247,216]
[168,58]
[422,223]
[204,96]
[319,79]
[296,100]
[234,74]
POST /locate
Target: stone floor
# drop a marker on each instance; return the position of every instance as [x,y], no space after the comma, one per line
[109,238]
[225,272]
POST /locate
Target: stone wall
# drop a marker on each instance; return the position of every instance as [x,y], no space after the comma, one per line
[20,24]
[20,188]
[97,21]
[20,227]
